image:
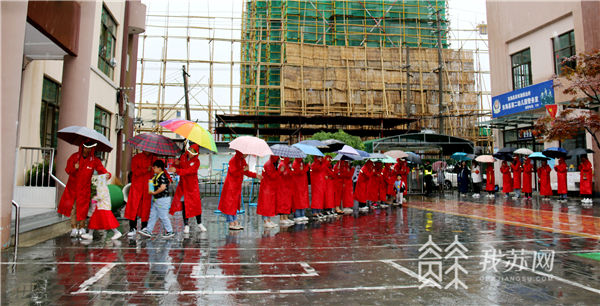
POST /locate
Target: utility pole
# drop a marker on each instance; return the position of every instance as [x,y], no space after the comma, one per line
[440,75]
[185,89]
[407,105]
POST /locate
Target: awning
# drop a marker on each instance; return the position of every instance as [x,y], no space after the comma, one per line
[422,141]
[512,120]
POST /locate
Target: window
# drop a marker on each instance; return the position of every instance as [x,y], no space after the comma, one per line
[563,46]
[521,69]
[578,141]
[106,52]
[49,113]
[102,122]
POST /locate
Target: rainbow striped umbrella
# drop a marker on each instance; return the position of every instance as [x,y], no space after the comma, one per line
[191,131]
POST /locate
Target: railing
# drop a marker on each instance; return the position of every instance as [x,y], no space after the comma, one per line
[37,165]
[17,227]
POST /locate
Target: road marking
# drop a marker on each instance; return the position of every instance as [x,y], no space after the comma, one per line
[90,281]
[197,272]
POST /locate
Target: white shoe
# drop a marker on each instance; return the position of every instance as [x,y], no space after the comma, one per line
[201,227]
[87,236]
[74,233]
[304,218]
[116,236]
[186,229]
[132,233]
[81,231]
[269,224]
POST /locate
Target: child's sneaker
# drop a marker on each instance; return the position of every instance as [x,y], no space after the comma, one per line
[74,233]
[186,229]
[116,236]
[87,237]
[168,235]
[132,233]
[201,227]
[145,233]
[81,231]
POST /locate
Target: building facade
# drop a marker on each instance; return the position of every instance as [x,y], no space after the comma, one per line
[527,42]
[71,63]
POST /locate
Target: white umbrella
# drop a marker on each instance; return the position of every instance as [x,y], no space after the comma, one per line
[523,151]
[251,145]
[485,159]
[77,135]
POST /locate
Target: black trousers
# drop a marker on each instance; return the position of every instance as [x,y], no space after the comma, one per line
[185,219]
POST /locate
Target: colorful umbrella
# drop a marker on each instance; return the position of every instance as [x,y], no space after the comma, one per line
[579,151]
[523,151]
[438,164]
[308,149]
[154,143]
[191,131]
[348,150]
[555,152]
[538,156]
[251,145]
[485,159]
[287,151]
[77,135]
[396,154]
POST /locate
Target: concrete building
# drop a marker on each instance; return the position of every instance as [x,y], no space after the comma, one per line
[527,41]
[63,63]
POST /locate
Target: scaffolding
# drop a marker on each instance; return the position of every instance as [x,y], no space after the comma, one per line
[351,58]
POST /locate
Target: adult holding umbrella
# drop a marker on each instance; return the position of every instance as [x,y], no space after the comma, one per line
[527,171]
[285,195]
[300,200]
[187,197]
[476,177]
[516,169]
[231,194]
[506,178]
[561,175]
[267,194]
[585,179]
[361,191]
[317,186]
[463,178]
[555,152]
[544,179]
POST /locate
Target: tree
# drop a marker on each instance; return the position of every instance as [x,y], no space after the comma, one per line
[353,141]
[583,83]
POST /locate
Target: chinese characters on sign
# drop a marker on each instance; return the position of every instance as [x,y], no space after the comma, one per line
[524,99]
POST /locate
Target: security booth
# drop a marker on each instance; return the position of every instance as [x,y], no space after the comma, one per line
[427,144]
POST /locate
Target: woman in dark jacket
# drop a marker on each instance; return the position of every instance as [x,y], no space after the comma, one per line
[463,178]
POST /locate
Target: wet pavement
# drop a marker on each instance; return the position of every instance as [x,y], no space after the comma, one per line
[480,251]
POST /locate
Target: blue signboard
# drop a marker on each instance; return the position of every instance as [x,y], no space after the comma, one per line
[524,99]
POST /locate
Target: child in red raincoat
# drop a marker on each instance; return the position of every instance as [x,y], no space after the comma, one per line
[80,168]
[139,200]
[544,179]
[490,180]
[267,194]
[102,218]
[561,175]
[585,179]
[231,194]
[300,190]
[187,195]
[516,169]
[362,185]
[527,171]
[285,188]
[506,179]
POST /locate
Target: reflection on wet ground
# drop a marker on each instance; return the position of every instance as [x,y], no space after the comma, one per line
[488,252]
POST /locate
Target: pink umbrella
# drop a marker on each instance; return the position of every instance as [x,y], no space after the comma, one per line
[250,145]
[438,164]
[395,154]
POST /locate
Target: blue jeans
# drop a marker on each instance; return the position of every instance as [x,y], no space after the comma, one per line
[230,218]
[299,213]
[160,210]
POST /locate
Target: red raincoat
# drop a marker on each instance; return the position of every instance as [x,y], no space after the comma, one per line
[544,178]
[362,183]
[490,183]
[516,172]
[188,187]
[79,185]
[374,184]
[317,184]
[285,187]
[585,177]
[390,180]
[330,182]
[527,170]
[404,171]
[561,175]
[269,185]
[506,178]
[300,184]
[231,195]
[344,194]
[138,200]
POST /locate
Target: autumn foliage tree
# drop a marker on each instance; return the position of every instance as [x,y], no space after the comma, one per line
[582,82]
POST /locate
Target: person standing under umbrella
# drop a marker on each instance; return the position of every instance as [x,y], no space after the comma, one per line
[330,189]
[362,184]
[80,168]
[490,181]
[317,187]
[267,194]
[544,179]
[527,171]
[346,196]
[506,179]
[428,178]
[231,194]
[476,177]
[561,175]
[300,190]
[585,179]
[516,169]
[338,186]
[187,195]
[285,188]
[463,179]
[139,200]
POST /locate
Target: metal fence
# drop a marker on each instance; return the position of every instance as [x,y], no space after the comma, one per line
[37,167]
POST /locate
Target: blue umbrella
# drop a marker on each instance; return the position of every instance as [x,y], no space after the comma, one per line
[413,158]
[362,153]
[308,149]
[461,156]
[555,152]
[538,156]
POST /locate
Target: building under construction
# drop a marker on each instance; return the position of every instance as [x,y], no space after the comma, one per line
[305,64]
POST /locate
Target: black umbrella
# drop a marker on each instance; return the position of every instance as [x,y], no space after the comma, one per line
[333,145]
[579,151]
[507,150]
[503,156]
[555,152]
